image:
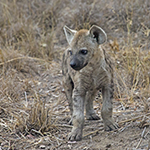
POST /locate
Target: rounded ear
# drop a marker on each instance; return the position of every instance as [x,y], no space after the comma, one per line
[98,34]
[69,33]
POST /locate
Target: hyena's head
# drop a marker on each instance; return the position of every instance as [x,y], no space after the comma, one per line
[83,45]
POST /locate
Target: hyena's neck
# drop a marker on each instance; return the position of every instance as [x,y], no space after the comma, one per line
[98,58]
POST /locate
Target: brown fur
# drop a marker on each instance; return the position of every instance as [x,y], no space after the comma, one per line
[87,68]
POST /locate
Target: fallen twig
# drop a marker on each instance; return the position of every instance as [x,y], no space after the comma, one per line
[94,132]
[133,119]
[64,125]
[38,132]
[142,136]
[19,58]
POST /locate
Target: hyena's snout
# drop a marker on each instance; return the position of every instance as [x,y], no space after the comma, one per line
[77,64]
[73,64]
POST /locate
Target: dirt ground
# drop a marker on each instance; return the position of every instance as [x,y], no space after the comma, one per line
[34,113]
[134,131]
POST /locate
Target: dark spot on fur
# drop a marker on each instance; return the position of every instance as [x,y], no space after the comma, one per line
[72,84]
[75,100]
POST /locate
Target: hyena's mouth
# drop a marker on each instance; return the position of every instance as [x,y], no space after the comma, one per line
[77,67]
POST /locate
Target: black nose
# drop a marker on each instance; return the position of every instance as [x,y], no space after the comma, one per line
[73,64]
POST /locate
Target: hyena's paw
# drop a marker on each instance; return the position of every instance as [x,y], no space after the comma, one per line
[110,125]
[75,135]
[92,117]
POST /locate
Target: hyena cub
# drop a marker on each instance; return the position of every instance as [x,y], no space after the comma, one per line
[86,69]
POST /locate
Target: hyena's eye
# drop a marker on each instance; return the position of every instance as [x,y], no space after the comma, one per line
[83,51]
[70,52]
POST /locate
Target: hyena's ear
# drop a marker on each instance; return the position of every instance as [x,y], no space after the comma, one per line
[98,34]
[69,33]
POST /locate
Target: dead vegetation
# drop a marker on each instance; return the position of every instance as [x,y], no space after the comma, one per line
[33,110]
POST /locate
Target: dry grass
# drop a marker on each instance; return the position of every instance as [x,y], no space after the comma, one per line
[31,45]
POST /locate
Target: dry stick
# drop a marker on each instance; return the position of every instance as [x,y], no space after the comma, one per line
[94,132]
[38,132]
[133,119]
[57,140]
[38,142]
[142,136]
[123,128]
[26,104]
[18,58]
[64,125]
[146,134]
[139,143]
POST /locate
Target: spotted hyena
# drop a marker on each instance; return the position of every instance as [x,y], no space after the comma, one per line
[86,69]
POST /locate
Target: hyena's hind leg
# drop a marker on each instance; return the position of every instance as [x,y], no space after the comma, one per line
[68,87]
[90,113]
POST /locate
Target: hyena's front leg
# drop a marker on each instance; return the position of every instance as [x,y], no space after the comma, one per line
[90,113]
[68,87]
[78,116]
[107,108]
